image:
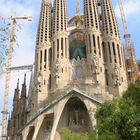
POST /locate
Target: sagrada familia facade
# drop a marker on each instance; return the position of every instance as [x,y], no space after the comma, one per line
[79,64]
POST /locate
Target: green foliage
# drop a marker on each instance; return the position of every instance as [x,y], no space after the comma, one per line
[120,118]
[69,135]
[5,39]
[133,93]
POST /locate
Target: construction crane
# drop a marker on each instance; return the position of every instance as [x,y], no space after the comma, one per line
[8,73]
[78,8]
[131,63]
[26,67]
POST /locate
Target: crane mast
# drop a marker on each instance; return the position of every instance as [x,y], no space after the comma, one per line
[78,8]
[78,16]
[7,82]
[131,63]
[8,74]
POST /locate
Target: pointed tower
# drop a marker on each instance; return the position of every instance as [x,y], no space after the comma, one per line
[23,91]
[15,109]
[9,127]
[43,55]
[115,72]
[23,104]
[44,28]
[60,46]
[12,122]
[93,44]
[16,97]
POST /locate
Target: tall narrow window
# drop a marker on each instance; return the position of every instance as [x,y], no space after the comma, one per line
[119,54]
[113,45]
[62,47]
[98,39]
[49,86]
[45,55]
[109,52]
[40,56]
[50,57]
[89,43]
[66,47]
[94,43]
[114,52]
[104,51]
[122,54]
[106,77]
[53,50]
[36,62]
[40,60]
[57,48]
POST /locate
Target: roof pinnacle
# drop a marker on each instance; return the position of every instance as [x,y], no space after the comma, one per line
[18,84]
[25,79]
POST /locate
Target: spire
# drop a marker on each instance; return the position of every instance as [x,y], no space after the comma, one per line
[59,16]
[44,28]
[112,50]
[91,14]
[9,116]
[109,22]
[60,37]
[23,91]
[9,125]
[60,45]
[16,95]
[92,27]
[93,42]
[25,79]
[18,84]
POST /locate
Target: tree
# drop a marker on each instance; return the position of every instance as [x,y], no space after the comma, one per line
[133,93]
[120,118]
[4,39]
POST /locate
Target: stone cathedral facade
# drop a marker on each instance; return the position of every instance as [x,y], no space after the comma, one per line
[79,64]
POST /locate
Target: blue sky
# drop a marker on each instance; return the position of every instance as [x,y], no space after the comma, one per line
[24,54]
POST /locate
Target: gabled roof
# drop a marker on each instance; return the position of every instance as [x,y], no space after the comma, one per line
[71,91]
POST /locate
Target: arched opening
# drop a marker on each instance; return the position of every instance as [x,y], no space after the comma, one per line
[46,127]
[75,116]
[31,133]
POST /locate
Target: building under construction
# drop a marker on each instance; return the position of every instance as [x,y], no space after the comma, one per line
[79,64]
[130,58]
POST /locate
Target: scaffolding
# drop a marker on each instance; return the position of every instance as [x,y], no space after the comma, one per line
[130,58]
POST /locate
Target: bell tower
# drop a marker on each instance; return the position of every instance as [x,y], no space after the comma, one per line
[60,46]
[94,44]
[115,72]
[43,55]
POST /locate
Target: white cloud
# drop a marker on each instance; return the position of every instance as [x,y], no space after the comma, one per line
[9,7]
[131,7]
